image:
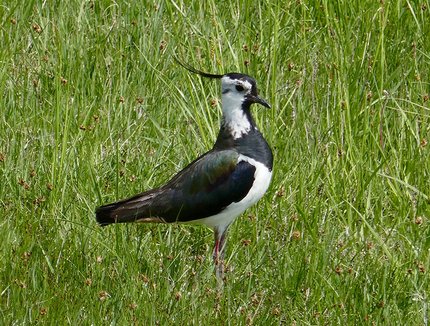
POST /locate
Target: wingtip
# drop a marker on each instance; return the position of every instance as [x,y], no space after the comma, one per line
[103,216]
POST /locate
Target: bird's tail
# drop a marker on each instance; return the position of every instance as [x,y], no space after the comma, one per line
[132,209]
[113,213]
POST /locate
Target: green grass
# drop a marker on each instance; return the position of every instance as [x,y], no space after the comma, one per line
[94,109]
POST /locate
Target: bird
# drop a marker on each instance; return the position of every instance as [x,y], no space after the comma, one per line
[217,186]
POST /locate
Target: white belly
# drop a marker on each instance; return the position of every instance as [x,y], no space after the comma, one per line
[262,178]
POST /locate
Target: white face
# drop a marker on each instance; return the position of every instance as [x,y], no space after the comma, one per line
[234,92]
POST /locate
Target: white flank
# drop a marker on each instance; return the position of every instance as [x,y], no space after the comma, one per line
[262,177]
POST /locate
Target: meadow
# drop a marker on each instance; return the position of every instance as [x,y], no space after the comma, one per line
[93,108]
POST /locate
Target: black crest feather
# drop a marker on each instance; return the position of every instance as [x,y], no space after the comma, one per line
[195,71]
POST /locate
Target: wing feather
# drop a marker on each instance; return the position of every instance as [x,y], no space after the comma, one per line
[203,188]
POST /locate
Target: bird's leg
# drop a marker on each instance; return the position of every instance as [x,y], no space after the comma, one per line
[218,254]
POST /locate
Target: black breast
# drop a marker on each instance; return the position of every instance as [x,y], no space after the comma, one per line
[251,144]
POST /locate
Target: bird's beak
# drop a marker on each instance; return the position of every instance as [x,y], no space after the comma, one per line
[259,100]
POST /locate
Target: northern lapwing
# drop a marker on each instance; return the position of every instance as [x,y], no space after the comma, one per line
[219,185]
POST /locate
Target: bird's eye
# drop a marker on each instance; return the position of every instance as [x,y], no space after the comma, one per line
[239,88]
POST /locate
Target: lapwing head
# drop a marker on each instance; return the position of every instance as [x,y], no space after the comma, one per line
[239,91]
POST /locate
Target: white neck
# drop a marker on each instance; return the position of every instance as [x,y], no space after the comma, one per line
[233,116]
